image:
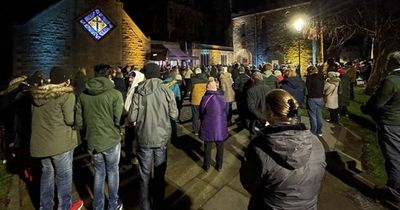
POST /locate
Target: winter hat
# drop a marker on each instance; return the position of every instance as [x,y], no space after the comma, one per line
[212,84]
[333,74]
[59,75]
[151,70]
[132,74]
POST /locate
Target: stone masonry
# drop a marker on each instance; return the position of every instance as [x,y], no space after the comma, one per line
[268,35]
[55,37]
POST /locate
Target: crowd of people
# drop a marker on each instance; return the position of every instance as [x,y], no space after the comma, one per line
[137,111]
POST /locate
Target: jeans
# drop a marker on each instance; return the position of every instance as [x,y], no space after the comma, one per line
[130,143]
[334,115]
[195,118]
[106,163]
[219,156]
[152,190]
[56,169]
[314,108]
[389,141]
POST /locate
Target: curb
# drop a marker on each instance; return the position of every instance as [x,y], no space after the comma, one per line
[349,169]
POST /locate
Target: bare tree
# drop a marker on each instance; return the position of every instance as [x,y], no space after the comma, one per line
[376,19]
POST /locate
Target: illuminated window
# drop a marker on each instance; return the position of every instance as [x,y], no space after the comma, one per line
[97,24]
[224,59]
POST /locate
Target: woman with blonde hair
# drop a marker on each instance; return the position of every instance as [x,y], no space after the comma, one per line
[284,165]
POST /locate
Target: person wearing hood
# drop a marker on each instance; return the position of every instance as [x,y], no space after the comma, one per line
[173,85]
[54,138]
[384,108]
[268,77]
[285,165]
[226,83]
[153,107]
[98,111]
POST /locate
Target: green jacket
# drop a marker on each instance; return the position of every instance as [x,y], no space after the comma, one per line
[52,120]
[99,110]
[384,105]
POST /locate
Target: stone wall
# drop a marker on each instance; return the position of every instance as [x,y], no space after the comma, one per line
[44,41]
[56,38]
[135,45]
[268,36]
[214,55]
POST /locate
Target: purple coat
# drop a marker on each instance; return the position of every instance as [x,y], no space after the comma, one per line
[214,126]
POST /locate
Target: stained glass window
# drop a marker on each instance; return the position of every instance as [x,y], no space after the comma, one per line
[97,24]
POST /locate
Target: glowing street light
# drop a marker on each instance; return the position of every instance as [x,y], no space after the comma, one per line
[299,24]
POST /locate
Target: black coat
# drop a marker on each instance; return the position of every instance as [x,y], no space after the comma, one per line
[256,103]
[295,86]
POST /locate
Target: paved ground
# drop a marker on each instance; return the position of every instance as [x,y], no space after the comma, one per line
[189,187]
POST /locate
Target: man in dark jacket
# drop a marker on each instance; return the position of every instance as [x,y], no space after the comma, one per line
[153,106]
[256,103]
[99,110]
[315,102]
[384,108]
[53,138]
[240,85]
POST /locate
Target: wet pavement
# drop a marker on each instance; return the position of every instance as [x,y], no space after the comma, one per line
[190,187]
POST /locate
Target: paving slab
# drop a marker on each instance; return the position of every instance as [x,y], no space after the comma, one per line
[227,198]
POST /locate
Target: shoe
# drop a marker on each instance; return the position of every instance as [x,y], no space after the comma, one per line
[320,134]
[77,205]
[196,134]
[206,168]
[218,168]
[120,206]
[135,161]
[328,120]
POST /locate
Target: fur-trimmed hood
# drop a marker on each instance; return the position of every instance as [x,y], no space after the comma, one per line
[41,95]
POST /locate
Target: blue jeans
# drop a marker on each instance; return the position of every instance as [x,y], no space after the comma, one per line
[152,196]
[56,169]
[389,141]
[314,108]
[106,163]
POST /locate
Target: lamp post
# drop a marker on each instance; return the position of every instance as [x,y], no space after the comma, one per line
[299,25]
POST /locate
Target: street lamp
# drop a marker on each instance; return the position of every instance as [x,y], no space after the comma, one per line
[299,25]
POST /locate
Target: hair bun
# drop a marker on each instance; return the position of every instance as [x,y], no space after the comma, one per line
[292,108]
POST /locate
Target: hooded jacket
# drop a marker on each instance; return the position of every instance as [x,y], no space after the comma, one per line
[226,83]
[284,168]
[52,120]
[331,91]
[99,110]
[153,106]
[384,105]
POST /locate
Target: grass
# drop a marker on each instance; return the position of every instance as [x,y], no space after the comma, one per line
[371,158]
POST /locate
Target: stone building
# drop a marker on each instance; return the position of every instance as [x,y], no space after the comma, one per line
[78,34]
[212,54]
[269,36]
